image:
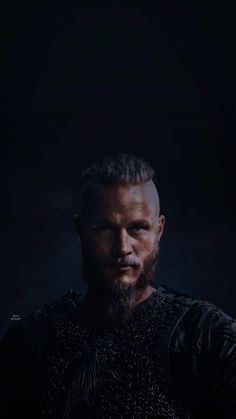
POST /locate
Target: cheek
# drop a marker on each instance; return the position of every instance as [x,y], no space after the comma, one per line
[145,247]
[99,246]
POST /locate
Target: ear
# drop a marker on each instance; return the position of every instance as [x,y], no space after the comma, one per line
[161,224]
[77,224]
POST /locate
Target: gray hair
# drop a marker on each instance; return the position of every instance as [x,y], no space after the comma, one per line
[115,169]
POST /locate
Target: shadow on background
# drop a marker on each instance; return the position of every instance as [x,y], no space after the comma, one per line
[77,84]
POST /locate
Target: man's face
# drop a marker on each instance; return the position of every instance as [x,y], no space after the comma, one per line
[120,236]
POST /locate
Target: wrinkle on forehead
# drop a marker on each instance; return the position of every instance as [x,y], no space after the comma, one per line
[131,198]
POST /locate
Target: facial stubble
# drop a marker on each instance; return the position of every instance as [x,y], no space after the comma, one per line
[117,299]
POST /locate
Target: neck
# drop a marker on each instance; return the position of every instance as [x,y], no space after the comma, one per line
[145,294]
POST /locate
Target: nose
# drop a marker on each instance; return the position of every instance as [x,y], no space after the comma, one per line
[122,244]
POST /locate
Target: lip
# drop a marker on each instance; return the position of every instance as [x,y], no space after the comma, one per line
[122,268]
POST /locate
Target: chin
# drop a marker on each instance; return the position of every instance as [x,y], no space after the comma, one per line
[127,279]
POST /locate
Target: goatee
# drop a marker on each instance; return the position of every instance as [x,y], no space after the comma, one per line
[116,300]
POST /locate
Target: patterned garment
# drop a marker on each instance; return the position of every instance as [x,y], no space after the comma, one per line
[175,358]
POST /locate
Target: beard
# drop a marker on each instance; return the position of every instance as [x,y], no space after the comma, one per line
[116,299]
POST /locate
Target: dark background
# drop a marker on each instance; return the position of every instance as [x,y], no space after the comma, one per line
[79,83]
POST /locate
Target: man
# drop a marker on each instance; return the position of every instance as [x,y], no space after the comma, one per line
[124,349]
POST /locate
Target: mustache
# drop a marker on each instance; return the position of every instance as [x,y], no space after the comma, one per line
[123,262]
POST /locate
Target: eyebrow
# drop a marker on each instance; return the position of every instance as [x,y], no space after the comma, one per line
[103,221]
[143,222]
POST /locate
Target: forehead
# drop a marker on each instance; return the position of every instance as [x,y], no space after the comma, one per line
[117,200]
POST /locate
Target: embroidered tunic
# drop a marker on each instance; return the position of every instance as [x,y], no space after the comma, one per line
[174,358]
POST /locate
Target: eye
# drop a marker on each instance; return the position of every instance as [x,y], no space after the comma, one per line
[138,229]
[101,228]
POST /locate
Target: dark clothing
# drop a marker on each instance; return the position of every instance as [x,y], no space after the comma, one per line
[174,358]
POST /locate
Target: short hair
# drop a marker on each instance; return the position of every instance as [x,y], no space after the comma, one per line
[117,169]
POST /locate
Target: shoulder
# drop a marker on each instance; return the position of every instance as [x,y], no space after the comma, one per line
[60,306]
[174,295]
[198,309]
[199,321]
[192,306]
[202,328]
[202,356]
